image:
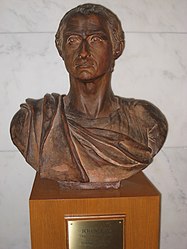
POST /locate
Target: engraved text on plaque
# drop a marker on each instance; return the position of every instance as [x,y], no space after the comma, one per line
[96,233]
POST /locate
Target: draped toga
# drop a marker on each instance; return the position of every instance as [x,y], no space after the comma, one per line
[69,147]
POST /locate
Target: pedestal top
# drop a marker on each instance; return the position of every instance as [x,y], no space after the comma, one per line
[137,185]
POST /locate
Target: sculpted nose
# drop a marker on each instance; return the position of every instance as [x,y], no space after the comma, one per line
[84,50]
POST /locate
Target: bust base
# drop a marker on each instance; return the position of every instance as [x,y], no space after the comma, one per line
[137,199]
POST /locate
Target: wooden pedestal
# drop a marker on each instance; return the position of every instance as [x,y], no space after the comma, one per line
[138,199]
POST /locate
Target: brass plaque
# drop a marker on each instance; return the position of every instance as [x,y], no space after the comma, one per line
[96,233]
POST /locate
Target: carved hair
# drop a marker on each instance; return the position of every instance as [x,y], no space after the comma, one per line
[114,26]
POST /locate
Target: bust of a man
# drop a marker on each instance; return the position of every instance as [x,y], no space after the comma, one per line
[89,138]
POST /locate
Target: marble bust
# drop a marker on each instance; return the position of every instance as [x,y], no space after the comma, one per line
[89,138]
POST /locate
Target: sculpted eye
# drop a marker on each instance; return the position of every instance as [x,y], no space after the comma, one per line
[96,39]
[73,40]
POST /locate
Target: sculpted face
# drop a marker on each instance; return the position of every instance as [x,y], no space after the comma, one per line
[87,48]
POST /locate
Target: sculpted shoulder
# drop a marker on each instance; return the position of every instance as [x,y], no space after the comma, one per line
[30,115]
[148,118]
[143,109]
[48,102]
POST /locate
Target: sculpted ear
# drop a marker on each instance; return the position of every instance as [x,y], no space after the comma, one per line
[62,55]
[59,44]
[119,49]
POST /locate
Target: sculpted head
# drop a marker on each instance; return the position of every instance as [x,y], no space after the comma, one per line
[109,19]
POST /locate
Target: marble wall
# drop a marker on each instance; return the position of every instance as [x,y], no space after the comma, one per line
[153,67]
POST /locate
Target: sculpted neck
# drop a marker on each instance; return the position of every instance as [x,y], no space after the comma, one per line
[93,99]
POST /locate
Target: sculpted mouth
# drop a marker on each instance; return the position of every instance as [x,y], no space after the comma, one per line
[85,64]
